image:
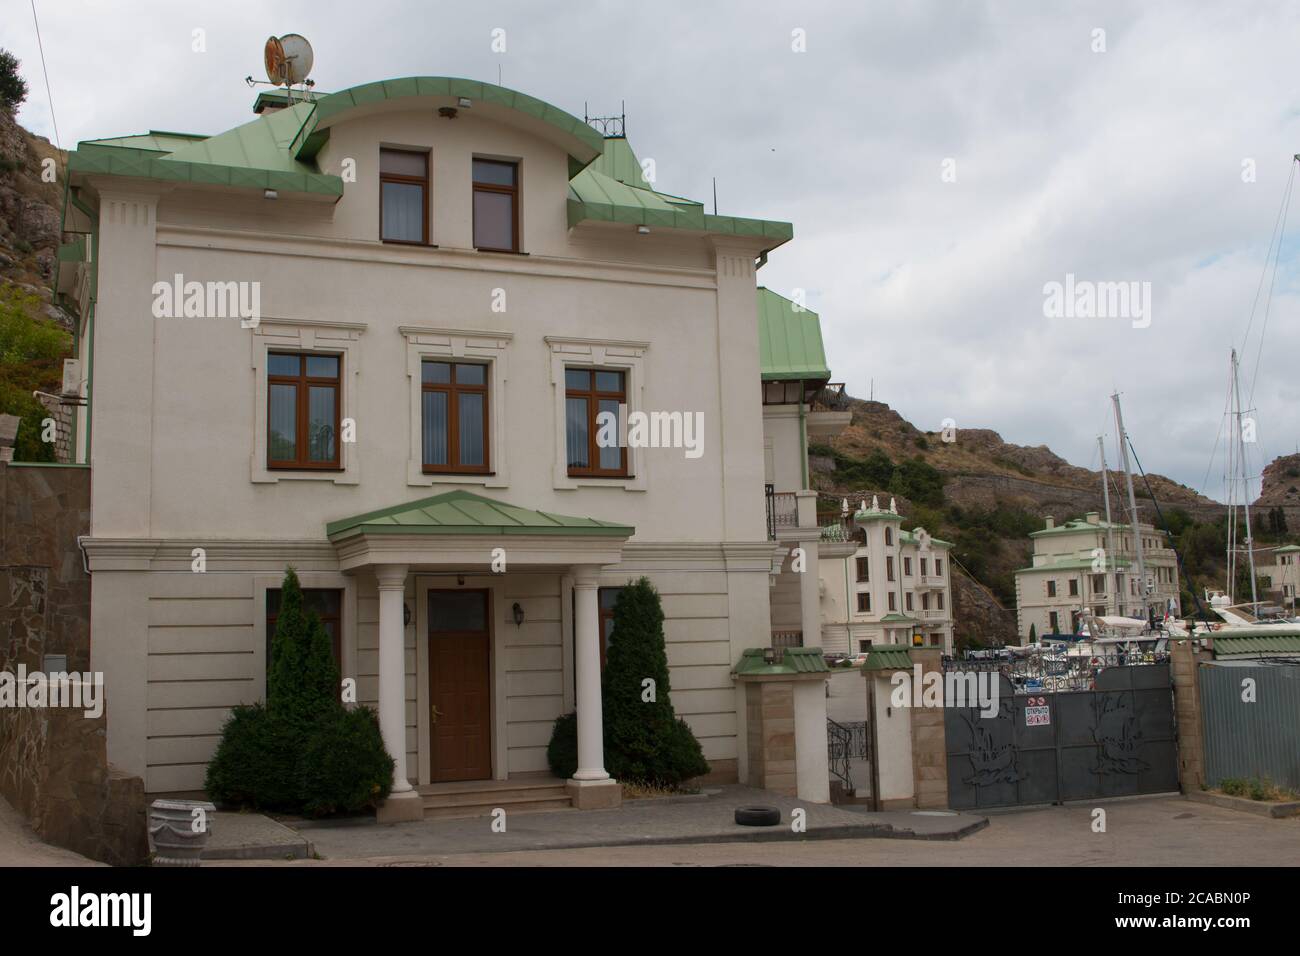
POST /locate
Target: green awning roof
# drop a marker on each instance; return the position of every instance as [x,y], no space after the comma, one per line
[794,660]
[1286,643]
[789,342]
[888,657]
[461,512]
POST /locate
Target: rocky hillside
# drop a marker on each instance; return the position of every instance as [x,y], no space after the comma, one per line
[986,495]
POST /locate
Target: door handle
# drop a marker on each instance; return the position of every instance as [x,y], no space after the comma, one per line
[434,714]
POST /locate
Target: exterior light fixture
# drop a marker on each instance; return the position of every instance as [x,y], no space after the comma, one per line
[769,655]
[406,614]
[270,194]
[460,579]
[518,612]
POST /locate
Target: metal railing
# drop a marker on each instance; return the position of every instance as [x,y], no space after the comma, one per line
[787,638]
[1046,672]
[831,397]
[782,510]
[844,744]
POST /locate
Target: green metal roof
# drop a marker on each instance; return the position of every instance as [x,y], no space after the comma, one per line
[794,660]
[789,342]
[278,151]
[1076,564]
[1290,548]
[910,538]
[461,512]
[1079,524]
[1248,642]
[888,657]
[895,618]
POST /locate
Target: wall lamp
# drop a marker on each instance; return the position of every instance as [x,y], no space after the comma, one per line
[518,612]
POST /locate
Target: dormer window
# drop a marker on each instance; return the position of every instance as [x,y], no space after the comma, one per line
[404,196]
[496,205]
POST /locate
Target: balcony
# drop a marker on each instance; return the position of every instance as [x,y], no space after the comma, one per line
[931,580]
[831,397]
[933,614]
[787,638]
[782,512]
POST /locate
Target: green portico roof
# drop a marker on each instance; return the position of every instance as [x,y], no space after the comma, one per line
[789,341]
[461,512]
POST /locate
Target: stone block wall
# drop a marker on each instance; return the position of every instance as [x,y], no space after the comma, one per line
[44,588]
[54,771]
[929,742]
[769,719]
[1184,662]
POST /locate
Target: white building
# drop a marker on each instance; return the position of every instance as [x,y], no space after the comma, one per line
[1074,573]
[893,587]
[450,281]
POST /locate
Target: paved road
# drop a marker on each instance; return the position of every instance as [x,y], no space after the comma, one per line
[1164,831]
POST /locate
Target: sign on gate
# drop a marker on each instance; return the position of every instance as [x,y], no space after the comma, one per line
[1038,715]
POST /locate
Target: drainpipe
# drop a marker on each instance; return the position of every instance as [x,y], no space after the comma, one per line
[92,300]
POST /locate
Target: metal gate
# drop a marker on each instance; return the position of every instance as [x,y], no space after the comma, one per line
[1116,740]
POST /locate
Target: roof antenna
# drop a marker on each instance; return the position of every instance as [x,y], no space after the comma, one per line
[715,195]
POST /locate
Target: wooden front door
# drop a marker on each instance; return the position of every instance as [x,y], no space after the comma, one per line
[460,686]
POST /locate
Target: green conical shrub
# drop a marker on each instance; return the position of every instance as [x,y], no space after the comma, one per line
[645,741]
[303,752]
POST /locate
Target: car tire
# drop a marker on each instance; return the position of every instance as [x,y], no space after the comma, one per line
[758,816]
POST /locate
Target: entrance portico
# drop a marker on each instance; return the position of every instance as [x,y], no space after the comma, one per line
[476,543]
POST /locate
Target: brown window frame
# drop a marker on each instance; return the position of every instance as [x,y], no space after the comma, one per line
[453,389]
[594,397]
[303,382]
[907,567]
[889,567]
[422,181]
[907,601]
[864,602]
[511,191]
[864,569]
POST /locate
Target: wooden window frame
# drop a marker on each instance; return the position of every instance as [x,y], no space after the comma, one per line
[452,390]
[594,396]
[863,569]
[889,567]
[907,567]
[864,602]
[303,383]
[511,191]
[336,642]
[421,181]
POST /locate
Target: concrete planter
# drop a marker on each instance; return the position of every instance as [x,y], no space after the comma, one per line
[177,835]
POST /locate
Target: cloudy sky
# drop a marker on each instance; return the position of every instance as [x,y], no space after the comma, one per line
[942,162]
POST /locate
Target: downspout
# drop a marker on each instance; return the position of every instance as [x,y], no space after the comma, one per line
[90,314]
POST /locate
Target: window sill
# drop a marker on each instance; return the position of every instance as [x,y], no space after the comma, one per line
[415,478]
[502,252]
[410,243]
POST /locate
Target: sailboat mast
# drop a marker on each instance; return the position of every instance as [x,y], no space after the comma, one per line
[1245,494]
[1132,506]
[1116,580]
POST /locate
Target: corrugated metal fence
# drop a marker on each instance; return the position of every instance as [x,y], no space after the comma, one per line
[1251,740]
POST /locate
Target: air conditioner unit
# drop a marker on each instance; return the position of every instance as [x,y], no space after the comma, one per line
[71,378]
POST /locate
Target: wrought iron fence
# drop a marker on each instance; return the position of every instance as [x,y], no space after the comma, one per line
[831,397]
[844,744]
[1047,672]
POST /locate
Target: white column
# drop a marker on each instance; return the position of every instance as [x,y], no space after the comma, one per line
[392,669]
[810,599]
[591,734]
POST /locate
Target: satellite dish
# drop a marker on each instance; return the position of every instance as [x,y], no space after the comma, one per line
[273,56]
[288,59]
[297,58]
